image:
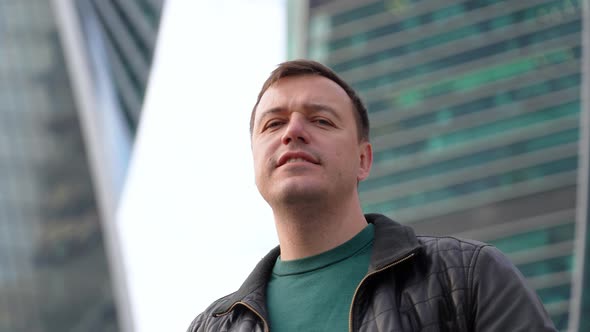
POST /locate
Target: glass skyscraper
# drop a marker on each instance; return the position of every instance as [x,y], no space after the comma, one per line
[128,32]
[55,274]
[475,112]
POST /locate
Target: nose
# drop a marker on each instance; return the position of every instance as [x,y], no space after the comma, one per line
[295,130]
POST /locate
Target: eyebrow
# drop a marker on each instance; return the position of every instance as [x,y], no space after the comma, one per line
[314,107]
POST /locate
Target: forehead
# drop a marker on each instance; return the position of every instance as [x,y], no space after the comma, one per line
[298,90]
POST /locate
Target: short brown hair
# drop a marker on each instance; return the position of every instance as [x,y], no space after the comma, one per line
[309,67]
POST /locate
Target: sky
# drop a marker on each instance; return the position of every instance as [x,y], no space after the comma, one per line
[191,221]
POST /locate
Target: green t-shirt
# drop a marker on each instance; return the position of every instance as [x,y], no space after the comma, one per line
[315,293]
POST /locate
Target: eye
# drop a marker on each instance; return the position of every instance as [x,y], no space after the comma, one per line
[273,124]
[323,122]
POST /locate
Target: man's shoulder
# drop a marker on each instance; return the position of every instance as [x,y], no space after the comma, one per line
[214,308]
[220,304]
[449,243]
[455,251]
[476,255]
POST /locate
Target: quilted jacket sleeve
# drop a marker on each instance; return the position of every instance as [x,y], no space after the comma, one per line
[501,298]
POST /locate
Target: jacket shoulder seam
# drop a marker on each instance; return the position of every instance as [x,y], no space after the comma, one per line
[431,238]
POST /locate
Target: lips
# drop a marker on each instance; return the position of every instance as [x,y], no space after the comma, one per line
[296,157]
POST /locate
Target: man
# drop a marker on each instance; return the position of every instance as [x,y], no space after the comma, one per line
[335,268]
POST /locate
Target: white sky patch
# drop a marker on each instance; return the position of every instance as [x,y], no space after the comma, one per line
[192,223]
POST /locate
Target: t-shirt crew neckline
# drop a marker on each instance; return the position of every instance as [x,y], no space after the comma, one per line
[317,262]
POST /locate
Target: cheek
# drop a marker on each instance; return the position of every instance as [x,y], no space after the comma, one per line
[348,160]
[261,158]
[258,165]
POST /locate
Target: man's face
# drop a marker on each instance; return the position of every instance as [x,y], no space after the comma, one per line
[305,142]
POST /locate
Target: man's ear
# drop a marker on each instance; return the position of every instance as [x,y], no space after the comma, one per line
[366,160]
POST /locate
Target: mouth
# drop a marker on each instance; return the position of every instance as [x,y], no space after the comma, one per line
[296,157]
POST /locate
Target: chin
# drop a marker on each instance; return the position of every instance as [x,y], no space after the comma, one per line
[298,194]
[301,199]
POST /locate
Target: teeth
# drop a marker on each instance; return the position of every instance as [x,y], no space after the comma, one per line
[293,160]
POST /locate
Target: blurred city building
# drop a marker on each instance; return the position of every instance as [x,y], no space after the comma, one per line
[55,266]
[121,36]
[476,115]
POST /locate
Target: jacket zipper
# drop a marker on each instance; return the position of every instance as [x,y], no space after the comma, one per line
[365,278]
[266,328]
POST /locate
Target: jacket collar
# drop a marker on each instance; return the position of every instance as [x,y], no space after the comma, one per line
[392,242]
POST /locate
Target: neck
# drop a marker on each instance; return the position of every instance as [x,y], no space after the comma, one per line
[305,231]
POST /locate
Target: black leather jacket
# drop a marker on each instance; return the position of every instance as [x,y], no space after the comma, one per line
[414,283]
